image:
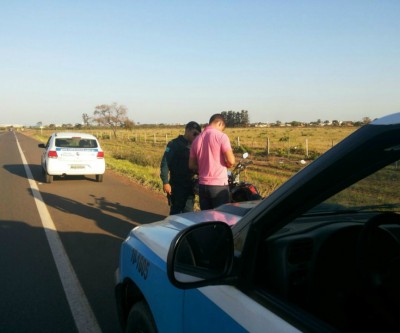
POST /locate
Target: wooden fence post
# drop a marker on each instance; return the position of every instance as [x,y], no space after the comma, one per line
[307,148]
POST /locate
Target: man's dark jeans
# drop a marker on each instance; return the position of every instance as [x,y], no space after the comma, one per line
[182,200]
[212,196]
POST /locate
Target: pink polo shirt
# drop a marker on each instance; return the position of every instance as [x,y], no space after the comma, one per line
[208,149]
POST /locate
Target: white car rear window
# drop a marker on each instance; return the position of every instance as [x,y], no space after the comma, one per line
[76,143]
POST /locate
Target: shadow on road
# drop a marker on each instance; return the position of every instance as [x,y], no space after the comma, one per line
[108,215]
[103,213]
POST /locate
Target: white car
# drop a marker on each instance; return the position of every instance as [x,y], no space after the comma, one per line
[70,153]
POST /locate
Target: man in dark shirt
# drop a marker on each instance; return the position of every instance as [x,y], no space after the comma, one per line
[175,173]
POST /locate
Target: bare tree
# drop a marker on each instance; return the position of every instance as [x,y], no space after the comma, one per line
[86,119]
[113,115]
[366,120]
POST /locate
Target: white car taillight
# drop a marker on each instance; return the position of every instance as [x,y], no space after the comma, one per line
[52,154]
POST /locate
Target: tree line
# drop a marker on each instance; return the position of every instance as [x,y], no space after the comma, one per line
[236,119]
[114,116]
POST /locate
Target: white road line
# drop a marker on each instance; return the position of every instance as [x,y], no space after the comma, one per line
[82,313]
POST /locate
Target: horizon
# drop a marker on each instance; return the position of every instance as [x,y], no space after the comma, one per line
[68,125]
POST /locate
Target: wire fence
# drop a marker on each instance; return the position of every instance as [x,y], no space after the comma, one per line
[278,145]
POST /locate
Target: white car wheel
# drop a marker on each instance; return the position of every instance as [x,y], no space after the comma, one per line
[49,178]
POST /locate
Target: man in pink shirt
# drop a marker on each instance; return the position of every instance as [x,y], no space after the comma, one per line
[210,155]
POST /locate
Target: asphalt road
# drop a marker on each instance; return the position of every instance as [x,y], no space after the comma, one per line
[60,242]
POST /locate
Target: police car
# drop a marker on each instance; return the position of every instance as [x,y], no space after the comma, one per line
[70,153]
[320,254]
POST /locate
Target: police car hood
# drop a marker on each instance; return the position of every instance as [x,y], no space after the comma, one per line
[158,235]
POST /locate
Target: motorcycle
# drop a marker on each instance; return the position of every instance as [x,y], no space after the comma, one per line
[241,190]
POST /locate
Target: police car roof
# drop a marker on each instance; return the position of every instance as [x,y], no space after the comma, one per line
[391,119]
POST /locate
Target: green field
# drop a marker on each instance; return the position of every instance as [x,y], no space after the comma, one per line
[276,151]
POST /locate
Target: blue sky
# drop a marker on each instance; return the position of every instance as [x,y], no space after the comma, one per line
[176,61]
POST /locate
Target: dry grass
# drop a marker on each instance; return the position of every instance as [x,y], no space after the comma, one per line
[276,152]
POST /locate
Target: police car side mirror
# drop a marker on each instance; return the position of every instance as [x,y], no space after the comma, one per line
[41,145]
[200,255]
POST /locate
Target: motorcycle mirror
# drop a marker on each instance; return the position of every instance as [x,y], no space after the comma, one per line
[245,155]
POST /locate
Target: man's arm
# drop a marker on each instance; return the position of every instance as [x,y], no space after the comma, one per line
[226,148]
[229,158]
[164,169]
[193,164]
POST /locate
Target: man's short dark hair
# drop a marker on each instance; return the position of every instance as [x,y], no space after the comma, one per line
[217,117]
[193,125]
